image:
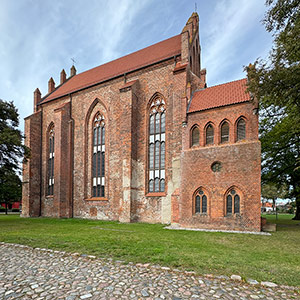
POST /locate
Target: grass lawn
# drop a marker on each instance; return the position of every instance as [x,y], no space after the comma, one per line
[265,258]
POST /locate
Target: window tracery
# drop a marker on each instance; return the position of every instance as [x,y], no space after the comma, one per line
[98,159]
[233,202]
[200,202]
[51,161]
[157,146]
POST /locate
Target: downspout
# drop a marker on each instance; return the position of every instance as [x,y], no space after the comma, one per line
[41,161]
[71,151]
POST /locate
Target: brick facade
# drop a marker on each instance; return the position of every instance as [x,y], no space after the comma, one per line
[171,73]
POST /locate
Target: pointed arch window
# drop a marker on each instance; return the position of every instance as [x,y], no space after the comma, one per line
[98,160]
[195,136]
[157,146]
[241,129]
[200,202]
[225,132]
[51,162]
[209,135]
[233,202]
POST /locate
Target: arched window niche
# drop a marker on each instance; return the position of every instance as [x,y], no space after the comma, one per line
[157,144]
[224,132]
[209,134]
[241,129]
[195,136]
[98,156]
[50,167]
[233,199]
[200,202]
[95,152]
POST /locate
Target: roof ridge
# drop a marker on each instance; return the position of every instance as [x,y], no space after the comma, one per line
[128,63]
[223,83]
[126,55]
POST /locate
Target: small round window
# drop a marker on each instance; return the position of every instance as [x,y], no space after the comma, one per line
[216,166]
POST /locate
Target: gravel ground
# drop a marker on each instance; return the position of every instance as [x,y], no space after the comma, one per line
[27,273]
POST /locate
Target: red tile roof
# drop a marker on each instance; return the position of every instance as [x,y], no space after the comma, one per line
[220,95]
[125,64]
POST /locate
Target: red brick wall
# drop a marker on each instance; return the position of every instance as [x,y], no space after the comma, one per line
[124,103]
[126,114]
[31,169]
[240,169]
[126,145]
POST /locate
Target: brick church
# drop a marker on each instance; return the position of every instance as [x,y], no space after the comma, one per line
[143,139]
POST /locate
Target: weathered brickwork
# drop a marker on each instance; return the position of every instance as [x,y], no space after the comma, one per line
[124,102]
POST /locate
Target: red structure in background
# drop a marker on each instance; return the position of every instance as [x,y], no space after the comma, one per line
[12,205]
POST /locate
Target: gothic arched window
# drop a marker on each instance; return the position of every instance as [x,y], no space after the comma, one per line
[209,135]
[224,132]
[232,202]
[51,161]
[241,130]
[157,146]
[200,202]
[98,161]
[195,136]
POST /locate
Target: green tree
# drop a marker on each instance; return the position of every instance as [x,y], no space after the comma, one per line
[271,191]
[11,152]
[276,85]
[10,187]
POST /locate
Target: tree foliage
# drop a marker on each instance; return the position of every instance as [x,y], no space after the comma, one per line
[276,85]
[11,152]
[11,147]
[10,187]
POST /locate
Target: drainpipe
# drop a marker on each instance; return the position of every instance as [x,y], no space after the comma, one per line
[71,151]
[41,161]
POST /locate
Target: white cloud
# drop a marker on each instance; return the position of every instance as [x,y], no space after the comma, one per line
[225,41]
[39,38]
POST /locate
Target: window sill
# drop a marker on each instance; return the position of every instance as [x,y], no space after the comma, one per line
[96,199]
[157,194]
[200,215]
[49,196]
[233,215]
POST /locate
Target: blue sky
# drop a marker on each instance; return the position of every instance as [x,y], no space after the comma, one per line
[39,38]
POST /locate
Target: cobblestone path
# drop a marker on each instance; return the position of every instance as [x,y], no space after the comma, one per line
[27,273]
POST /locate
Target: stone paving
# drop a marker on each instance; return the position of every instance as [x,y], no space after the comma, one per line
[27,273]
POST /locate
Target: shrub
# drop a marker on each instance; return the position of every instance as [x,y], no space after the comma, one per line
[2,209]
[15,210]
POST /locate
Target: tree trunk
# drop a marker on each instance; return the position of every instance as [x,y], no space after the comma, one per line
[297,215]
[274,207]
[6,208]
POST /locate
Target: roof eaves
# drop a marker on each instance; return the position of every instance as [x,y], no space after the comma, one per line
[218,106]
[108,79]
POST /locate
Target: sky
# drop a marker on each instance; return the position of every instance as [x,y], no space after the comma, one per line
[40,38]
